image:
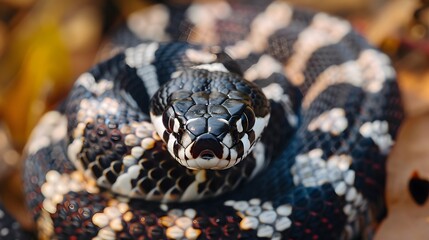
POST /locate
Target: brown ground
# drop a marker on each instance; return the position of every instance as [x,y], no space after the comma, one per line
[410,157]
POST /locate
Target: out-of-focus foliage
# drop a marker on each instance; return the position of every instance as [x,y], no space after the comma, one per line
[43,66]
[46,44]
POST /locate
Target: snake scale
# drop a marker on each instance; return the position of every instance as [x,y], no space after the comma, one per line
[166,140]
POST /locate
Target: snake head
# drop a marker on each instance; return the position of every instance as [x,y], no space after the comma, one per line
[209,120]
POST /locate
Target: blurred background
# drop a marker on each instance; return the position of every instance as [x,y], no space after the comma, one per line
[46,44]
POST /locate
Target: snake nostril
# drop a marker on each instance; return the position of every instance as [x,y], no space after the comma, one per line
[207,155]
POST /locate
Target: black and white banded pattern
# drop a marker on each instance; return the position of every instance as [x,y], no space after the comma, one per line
[166,141]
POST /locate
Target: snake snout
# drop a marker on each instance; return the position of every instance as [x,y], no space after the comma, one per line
[207,147]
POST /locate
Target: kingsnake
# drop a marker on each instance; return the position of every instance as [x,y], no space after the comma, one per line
[101,167]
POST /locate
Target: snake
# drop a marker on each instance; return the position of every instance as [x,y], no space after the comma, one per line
[219,120]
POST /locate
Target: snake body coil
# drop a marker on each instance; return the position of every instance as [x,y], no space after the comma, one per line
[166,139]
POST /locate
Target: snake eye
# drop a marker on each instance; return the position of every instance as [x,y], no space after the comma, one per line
[168,119]
[250,117]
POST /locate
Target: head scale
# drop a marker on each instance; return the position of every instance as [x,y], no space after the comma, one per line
[209,119]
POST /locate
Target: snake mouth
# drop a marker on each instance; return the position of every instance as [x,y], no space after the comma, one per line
[207,155]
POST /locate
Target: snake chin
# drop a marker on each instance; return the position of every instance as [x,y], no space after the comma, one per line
[213,163]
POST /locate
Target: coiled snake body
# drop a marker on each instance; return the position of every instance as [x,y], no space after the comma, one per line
[166,140]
